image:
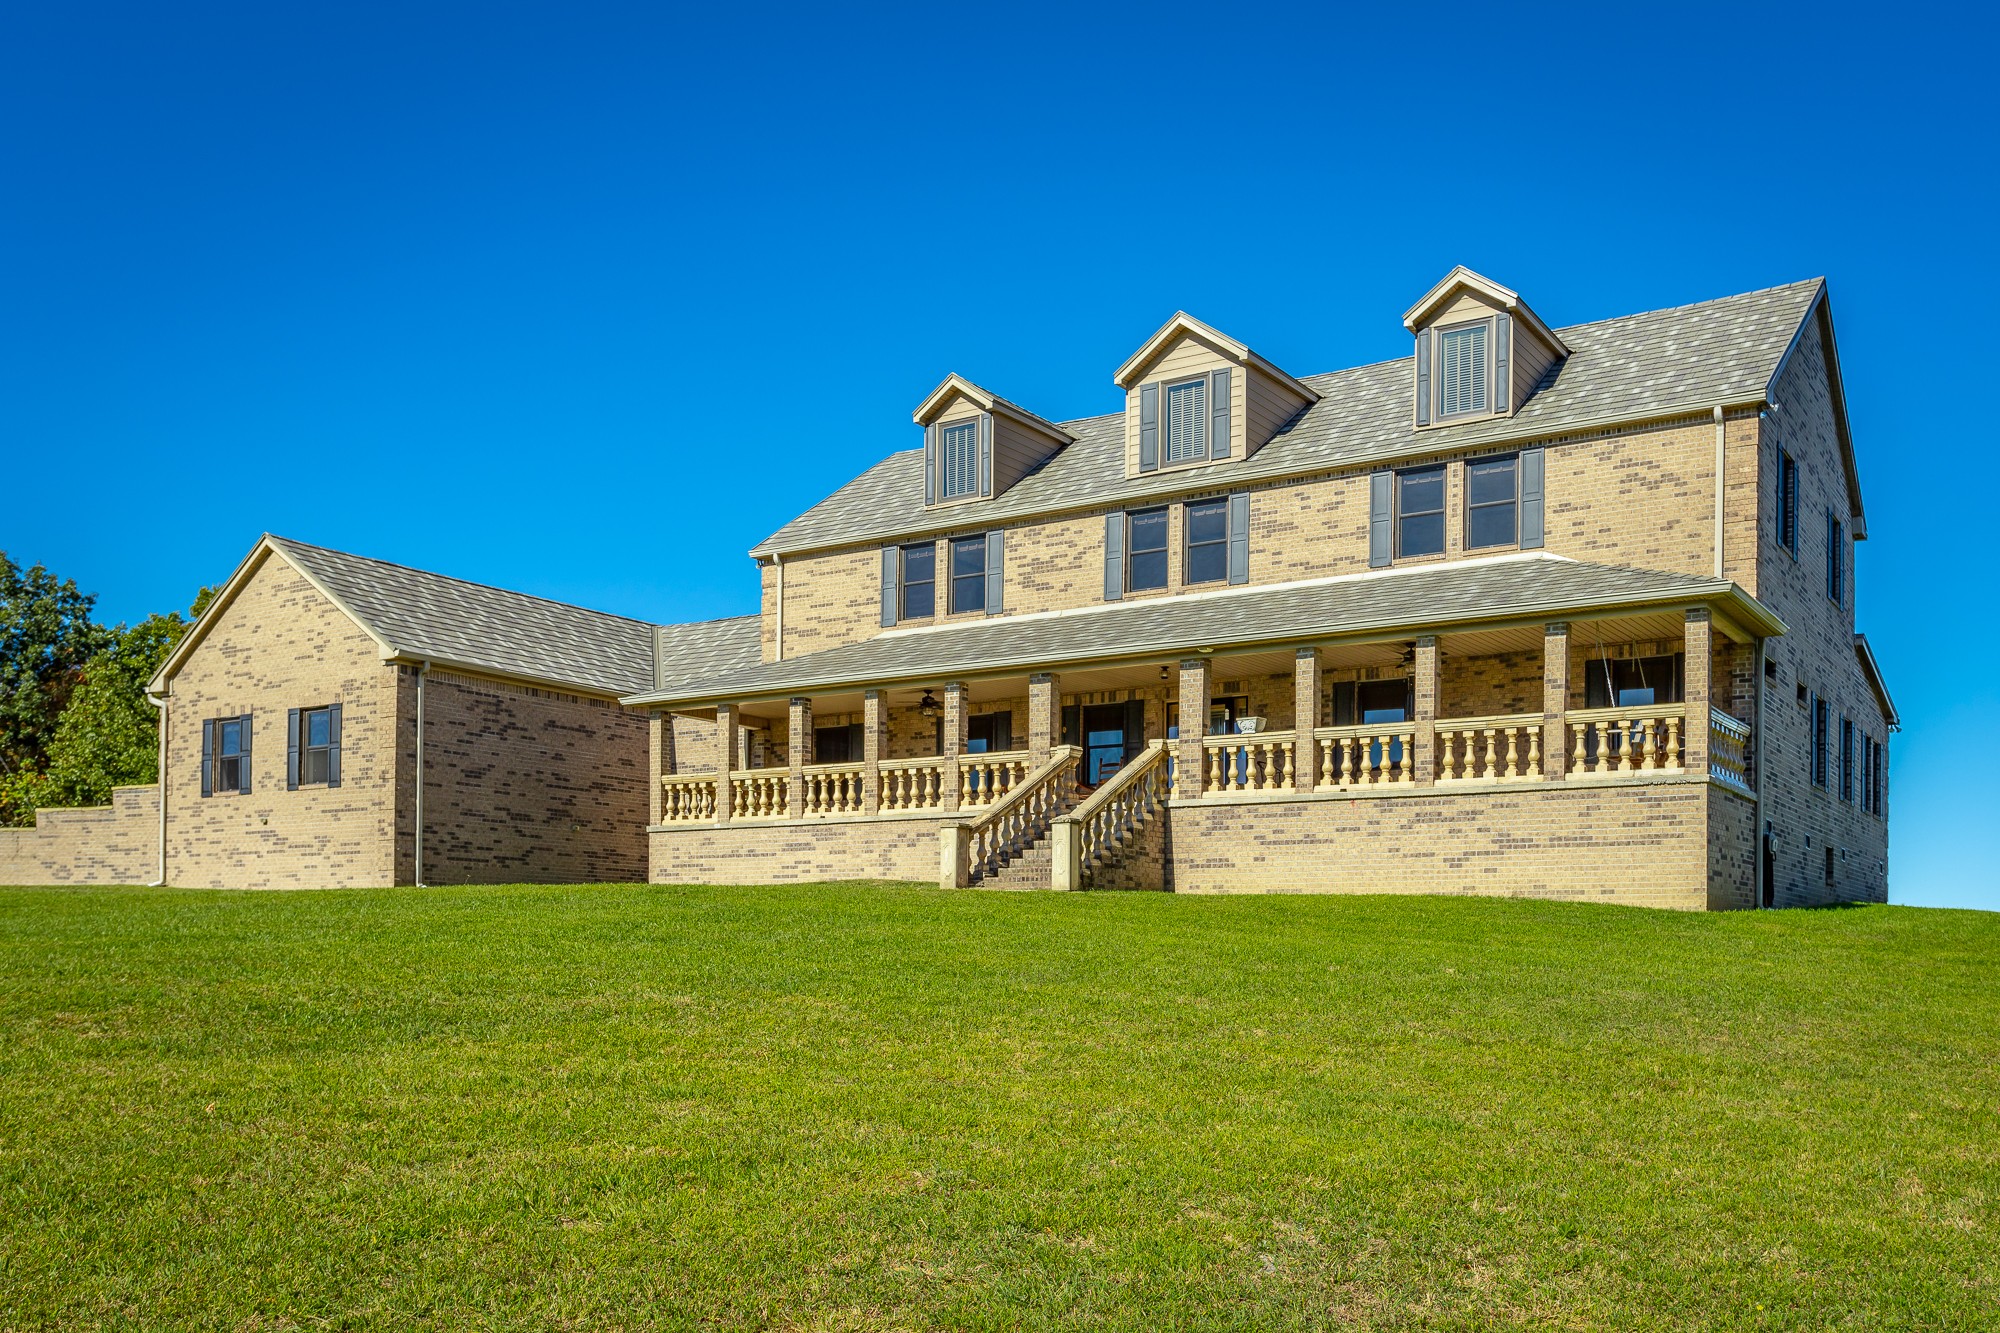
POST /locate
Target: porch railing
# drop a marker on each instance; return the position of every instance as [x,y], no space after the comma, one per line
[1625,740]
[1264,761]
[1018,819]
[1367,755]
[1490,749]
[759,793]
[1090,837]
[912,784]
[687,799]
[1728,742]
[832,789]
[985,778]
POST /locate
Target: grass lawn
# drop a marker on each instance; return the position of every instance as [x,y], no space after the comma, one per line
[850,1106]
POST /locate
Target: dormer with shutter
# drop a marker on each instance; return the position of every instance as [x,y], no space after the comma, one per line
[977,444]
[1481,351]
[1194,396]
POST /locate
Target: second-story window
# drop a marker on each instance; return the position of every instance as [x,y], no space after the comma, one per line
[1836,559]
[1788,502]
[1462,370]
[315,745]
[1146,550]
[1817,764]
[968,573]
[1492,502]
[960,443]
[1420,512]
[1187,420]
[919,581]
[1847,759]
[1207,541]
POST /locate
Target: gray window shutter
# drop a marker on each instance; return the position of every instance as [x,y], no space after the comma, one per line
[1531,498]
[892,578]
[243,769]
[1423,378]
[1149,427]
[930,464]
[1219,414]
[333,746]
[1503,384]
[292,750]
[1239,537]
[207,758]
[1381,518]
[986,453]
[1114,557]
[995,559]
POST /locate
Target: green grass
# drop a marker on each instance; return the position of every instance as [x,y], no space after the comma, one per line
[853,1106]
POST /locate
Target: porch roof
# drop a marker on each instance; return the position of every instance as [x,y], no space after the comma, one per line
[1374,605]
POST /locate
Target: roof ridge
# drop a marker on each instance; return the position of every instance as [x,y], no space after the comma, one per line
[712,620]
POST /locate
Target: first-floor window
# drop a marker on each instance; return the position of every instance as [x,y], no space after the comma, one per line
[919,581]
[1420,512]
[1492,502]
[1207,540]
[1146,550]
[225,755]
[1878,777]
[1819,741]
[315,745]
[968,573]
[1846,759]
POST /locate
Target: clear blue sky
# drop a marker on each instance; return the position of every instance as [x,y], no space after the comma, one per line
[585,299]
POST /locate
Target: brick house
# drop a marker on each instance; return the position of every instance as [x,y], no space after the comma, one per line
[1533,611]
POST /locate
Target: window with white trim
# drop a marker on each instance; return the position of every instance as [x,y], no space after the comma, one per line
[919,570]
[1492,502]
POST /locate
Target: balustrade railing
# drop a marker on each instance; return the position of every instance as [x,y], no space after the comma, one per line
[758,793]
[985,778]
[1017,820]
[1090,837]
[1377,755]
[912,784]
[1642,739]
[1262,761]
[1728,743]
[1490,749]
[687,798]
[832,789]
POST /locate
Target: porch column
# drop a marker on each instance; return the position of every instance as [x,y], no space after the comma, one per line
[1305,717]
[1044,717]
[1190,767]
[874,743]
[1555,700]
[955,723]
[1698,689]
[798,753]
[1426,692]
[728,743]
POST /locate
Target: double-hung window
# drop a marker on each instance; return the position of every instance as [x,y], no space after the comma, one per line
[1462,370]
[315,745]
[1420,512]
[1145,549]
[968,573]
[1788,502]
[1836,560]
[1819,741]
[1847,759]
[919,581]
[1207,540]
[959,442]
[1492,502]
[1187,421]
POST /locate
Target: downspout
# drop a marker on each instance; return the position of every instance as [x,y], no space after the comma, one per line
[1718,489]
[423,669]
[778,562]
[161,704]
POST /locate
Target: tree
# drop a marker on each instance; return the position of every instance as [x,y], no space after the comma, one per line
[46,638]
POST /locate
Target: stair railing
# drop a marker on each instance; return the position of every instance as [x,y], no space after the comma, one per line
[971,851]
[1091,837]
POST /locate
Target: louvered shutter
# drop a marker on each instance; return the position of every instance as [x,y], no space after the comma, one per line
[986,454]
[1239,537]
[931,464]
[1135,728]
[1149,427]
[333,746]
[1423,377]
[892,575]
[292,750]
[1219,414]
[243,768]
[1381,518]
[1114,557]
[1531,498]
[1503,384]
[207,758]
[996,556]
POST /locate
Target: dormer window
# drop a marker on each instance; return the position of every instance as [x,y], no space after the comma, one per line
[959,443]
[1480,351]
[1462,372]
[1194,396]
[977,444]
[1187,421]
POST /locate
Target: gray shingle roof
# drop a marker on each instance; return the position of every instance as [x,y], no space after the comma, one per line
[706,648]
[1485,591]
[1635,367]
[425,615]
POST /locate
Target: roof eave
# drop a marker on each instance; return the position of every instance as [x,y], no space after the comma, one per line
[1865,653]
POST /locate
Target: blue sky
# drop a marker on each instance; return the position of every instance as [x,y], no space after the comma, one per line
[585,299]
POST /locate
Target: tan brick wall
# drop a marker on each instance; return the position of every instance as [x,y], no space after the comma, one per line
[526,785]
[1732,850]
[109,844]
[278,646]
[893,849]
[1642,844]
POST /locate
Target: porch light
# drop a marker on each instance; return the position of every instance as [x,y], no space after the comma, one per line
[929,706]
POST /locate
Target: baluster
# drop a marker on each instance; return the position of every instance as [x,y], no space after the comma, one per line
[1649,741]
[1673,759]
[1292,765]
[1576,760]
[1534,768]
[1513,753]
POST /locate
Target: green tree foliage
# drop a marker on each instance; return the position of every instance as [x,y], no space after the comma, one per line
[46,638]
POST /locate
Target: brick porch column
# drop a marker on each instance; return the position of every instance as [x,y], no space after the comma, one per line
[1698,688]
[874,745]
[1426,693]
[1555,700]
[1191,770]
[727,754]
[956,720]
[798,753]
[1305,717]
[1044,716]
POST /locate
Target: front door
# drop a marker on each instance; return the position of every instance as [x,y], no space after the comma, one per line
[1110,734]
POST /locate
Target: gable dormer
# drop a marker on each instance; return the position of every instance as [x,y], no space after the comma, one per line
[1194,396]
[1480,350]
[977,444]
